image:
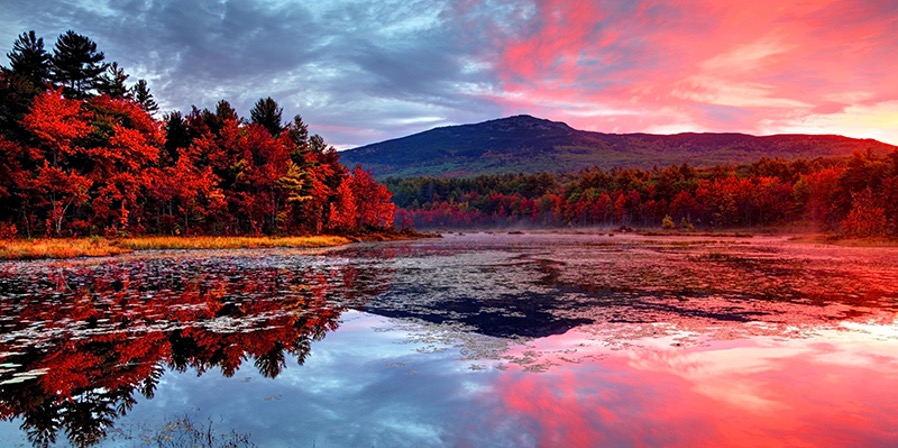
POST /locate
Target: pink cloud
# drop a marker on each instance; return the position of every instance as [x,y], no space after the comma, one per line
[763,66]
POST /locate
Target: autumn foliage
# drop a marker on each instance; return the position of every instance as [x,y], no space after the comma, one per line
[104,166]
[857,196]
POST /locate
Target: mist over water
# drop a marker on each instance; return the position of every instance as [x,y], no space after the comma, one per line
[537,339]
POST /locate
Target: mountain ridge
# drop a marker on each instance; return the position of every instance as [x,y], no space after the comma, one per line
[523,143]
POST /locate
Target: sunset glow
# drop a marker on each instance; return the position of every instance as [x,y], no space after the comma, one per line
[361,72]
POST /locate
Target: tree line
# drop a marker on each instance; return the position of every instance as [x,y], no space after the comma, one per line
[82,153]
[856,196]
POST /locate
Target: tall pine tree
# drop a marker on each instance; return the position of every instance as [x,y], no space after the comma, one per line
[141,93]
[112,82]
[76,64]
[267,113]
[29,60]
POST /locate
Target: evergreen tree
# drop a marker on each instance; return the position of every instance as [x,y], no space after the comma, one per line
[177,136]
[267,113]
[224,111]
[112,83]
[29,60]
[316,144]
[299,131]
[141,93]
[76,64]
[299,135]
[16,95]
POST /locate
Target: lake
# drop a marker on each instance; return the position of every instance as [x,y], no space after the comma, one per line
[536,339]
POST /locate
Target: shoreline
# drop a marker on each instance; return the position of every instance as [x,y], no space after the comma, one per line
[93,247]
[788,235]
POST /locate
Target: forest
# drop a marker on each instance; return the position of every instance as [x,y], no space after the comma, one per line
[82,153]
[855,196]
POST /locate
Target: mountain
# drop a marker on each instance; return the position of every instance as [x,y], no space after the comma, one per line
[527,144]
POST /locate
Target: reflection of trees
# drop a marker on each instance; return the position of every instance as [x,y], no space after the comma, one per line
[84,340]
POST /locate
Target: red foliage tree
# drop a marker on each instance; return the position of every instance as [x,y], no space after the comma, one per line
[373,204]
[344,216]
[867,217]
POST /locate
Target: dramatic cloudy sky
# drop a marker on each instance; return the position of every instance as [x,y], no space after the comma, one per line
[365,71]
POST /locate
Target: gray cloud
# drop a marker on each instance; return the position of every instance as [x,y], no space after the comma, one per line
[361,71]
[357,72]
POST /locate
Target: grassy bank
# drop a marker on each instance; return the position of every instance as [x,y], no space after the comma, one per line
[26,249]
[228,242]
[23,249]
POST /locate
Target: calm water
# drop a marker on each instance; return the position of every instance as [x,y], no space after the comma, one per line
[469,340]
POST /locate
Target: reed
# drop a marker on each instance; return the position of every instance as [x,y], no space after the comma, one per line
[228,242]
[27,249]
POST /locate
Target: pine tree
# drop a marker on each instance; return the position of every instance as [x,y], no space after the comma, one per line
[299,132]
[16,95]
[224,111]
[29,59]
[267,113]
[112,83]
[76,64]
[177,136]
[141,93]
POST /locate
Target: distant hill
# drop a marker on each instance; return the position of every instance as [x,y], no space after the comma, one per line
[527,144]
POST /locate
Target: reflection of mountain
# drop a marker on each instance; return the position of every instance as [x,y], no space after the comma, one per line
[450,285]
[78,342]
[529,315]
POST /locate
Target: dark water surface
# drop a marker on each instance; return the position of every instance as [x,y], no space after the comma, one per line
[473,340]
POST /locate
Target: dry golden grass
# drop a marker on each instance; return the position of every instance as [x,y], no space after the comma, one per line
[58,248]
[229,242]
[28,249]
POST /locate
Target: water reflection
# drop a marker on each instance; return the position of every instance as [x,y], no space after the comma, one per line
[79,341]
[541,285]
[495,340]
[833,388]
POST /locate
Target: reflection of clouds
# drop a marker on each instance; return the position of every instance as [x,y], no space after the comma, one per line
[748,375]
[360,387]
[726,375]
[830,387]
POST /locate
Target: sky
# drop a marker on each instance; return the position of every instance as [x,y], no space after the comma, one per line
[360,72]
